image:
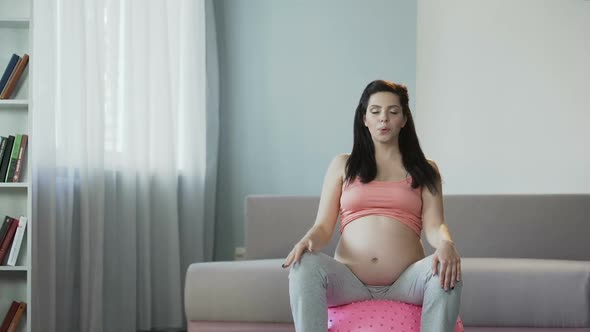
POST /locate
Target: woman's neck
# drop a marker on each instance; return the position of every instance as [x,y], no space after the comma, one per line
[387,153]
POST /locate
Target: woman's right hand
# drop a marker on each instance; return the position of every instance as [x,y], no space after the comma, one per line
[295,255]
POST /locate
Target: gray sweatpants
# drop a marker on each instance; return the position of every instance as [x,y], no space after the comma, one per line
[318,281]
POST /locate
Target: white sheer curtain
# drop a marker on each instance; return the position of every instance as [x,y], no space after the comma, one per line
[124,141]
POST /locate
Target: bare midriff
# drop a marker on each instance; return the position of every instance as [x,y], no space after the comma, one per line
[378,249]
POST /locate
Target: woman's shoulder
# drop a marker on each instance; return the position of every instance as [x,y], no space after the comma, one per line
[343,156]
[432,163]
[339,163]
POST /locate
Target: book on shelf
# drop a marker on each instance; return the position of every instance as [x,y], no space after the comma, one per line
[3,143]
[11,238]
[9,316]
[20,159]
[8,71]
[5,158]
[4,228]
[22,306]
[17,241]
[13,316]
[8,238]
[13,157]
[16,71]
[12,233]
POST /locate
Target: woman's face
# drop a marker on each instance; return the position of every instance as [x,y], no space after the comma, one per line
[384,116]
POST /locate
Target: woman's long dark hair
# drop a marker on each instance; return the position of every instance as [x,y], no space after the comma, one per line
[362,161]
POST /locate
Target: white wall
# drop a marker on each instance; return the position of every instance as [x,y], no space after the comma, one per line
[503,94]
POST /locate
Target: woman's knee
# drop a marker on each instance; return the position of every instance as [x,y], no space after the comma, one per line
[308,262]
[435,283]
[435,279]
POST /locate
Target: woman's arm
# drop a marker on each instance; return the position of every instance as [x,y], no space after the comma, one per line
[438,235]
[320,234]
[435,229]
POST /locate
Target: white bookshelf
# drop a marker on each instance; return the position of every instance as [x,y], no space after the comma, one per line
[19,23]
[15,118]
[16,103]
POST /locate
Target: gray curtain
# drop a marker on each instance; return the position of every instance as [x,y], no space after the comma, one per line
[124,143]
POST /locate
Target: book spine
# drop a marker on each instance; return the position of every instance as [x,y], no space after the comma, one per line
[16,243]
[7,240]
[6,158]
[18,71]
[9,316]
[11,77]
[21,156]
[13,158]
[4,228]
[8,71]
[3,141]
[17,316]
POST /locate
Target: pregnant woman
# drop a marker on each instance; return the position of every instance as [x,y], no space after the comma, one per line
[386,192]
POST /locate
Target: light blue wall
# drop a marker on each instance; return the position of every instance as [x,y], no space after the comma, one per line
[291,74]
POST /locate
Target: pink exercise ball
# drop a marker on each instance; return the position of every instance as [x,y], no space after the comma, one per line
[378,316]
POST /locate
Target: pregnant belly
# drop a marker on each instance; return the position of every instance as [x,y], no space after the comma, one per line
[378,249]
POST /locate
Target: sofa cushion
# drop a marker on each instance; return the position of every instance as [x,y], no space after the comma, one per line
[496,292]
[525,292]
[256,290]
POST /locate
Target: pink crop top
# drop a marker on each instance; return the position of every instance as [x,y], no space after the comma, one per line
[394,199]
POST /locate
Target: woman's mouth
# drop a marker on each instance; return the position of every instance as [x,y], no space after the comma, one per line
[384,130]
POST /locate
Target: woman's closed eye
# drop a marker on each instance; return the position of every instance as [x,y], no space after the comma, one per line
[392,112]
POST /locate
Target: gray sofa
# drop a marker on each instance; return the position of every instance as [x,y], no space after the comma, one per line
[525,260]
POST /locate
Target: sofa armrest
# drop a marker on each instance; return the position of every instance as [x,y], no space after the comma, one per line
[525,292]
[250,290]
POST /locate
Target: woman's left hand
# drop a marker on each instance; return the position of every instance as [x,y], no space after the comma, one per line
[450,264]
